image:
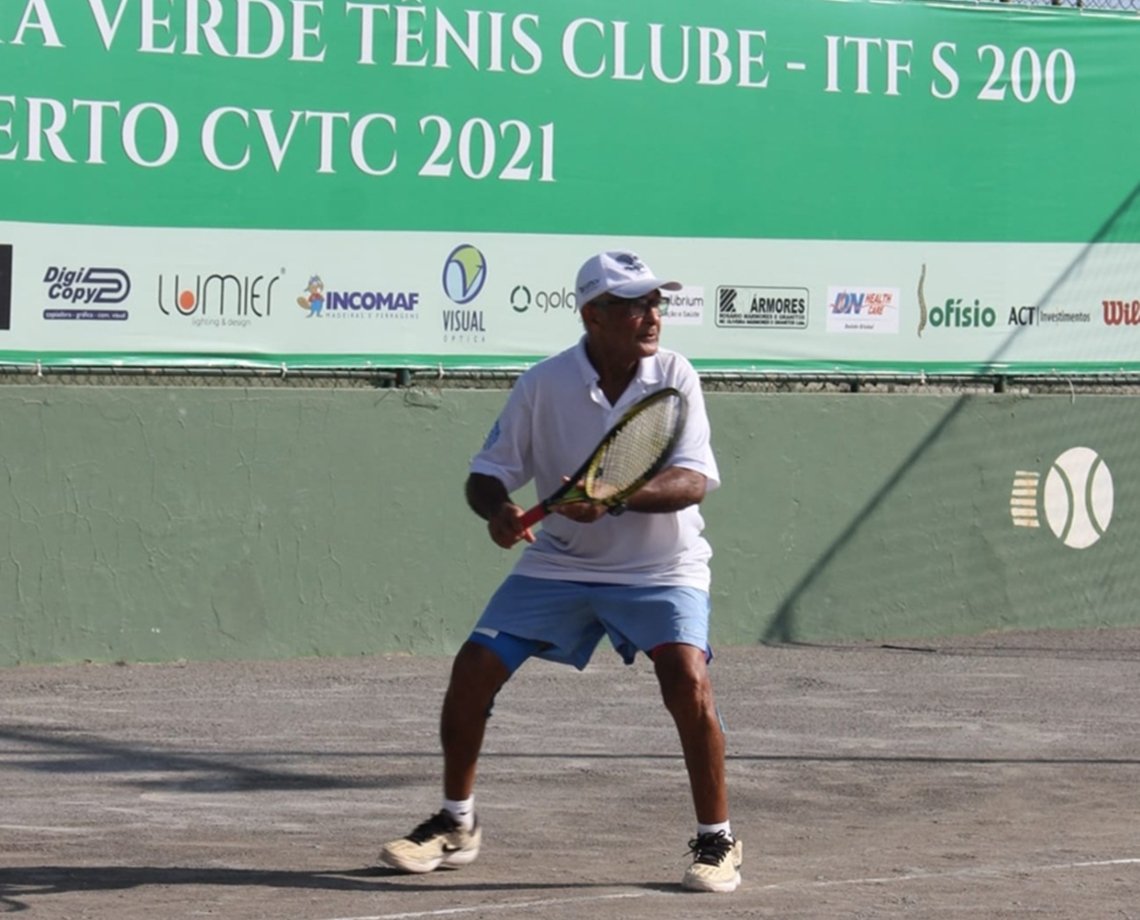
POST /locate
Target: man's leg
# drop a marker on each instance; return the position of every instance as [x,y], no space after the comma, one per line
[682,670]
[476,676]
[443,840]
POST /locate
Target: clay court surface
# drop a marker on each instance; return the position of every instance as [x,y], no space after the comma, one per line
[990,778]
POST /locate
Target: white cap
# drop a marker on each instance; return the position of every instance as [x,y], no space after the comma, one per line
[620,273]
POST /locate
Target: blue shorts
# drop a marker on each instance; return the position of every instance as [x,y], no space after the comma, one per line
[564,621]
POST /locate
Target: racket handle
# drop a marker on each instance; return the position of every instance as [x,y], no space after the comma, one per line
[532,517]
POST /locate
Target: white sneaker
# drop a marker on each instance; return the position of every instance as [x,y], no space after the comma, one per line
[437,843]
[716,863]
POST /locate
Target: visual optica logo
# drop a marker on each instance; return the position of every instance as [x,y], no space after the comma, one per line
[1077,498]
[464,273]
[5,286]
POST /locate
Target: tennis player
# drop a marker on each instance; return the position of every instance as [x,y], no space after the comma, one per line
[637,574]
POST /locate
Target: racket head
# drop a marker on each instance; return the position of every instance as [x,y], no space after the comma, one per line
[636,448]
[631,453]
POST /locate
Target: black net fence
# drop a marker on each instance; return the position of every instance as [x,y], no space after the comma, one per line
[1125,5]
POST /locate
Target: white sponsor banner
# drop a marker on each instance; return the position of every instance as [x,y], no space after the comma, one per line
[144,295]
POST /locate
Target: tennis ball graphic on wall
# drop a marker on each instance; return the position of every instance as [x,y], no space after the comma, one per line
[1078,497]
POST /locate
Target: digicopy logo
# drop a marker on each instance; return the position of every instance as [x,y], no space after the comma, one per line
[87,285]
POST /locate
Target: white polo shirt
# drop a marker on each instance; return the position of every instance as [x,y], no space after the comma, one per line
[554,417]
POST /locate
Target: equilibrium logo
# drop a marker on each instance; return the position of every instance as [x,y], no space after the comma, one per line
[5,286]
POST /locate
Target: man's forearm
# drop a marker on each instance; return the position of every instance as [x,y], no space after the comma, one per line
[485,495]
[670,490]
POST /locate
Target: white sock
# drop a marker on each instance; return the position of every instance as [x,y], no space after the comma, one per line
[714,828]
[462,811]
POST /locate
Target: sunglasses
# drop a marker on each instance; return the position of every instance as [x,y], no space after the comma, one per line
[636,307]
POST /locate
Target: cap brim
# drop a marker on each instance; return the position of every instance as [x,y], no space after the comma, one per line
[642,286]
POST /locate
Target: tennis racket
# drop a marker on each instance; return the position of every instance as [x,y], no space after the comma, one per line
[631,453]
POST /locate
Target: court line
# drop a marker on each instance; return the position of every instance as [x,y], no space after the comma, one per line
[976,871]
[971,872]
[508,905]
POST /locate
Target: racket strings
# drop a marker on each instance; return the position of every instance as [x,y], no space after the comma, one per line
[634,449]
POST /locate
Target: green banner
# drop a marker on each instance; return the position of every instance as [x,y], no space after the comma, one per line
[838,184]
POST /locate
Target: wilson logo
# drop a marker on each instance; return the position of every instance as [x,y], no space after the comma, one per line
[1121,312]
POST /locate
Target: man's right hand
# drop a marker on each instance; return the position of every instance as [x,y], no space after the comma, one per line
[505,527]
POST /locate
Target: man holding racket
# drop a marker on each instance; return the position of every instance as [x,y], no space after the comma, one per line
[634,570]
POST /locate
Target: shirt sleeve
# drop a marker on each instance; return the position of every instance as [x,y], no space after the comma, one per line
[507,451]
[694,449]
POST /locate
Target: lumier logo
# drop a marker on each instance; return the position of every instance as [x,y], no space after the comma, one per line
[217,299]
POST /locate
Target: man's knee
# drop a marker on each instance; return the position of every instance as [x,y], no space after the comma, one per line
[477,675]
[682,671]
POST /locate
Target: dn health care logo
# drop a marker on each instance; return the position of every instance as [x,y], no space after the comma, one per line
[1076,498]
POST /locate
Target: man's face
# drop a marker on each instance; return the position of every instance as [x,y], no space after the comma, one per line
[629,328]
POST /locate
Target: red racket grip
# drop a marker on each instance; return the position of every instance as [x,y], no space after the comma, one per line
[532,517]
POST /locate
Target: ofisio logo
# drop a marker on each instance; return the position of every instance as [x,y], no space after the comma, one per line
[464,274]
[953,314]
[1076,499]
[217,299]
[316,301]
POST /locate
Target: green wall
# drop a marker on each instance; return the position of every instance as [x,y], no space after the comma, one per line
[166,522]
